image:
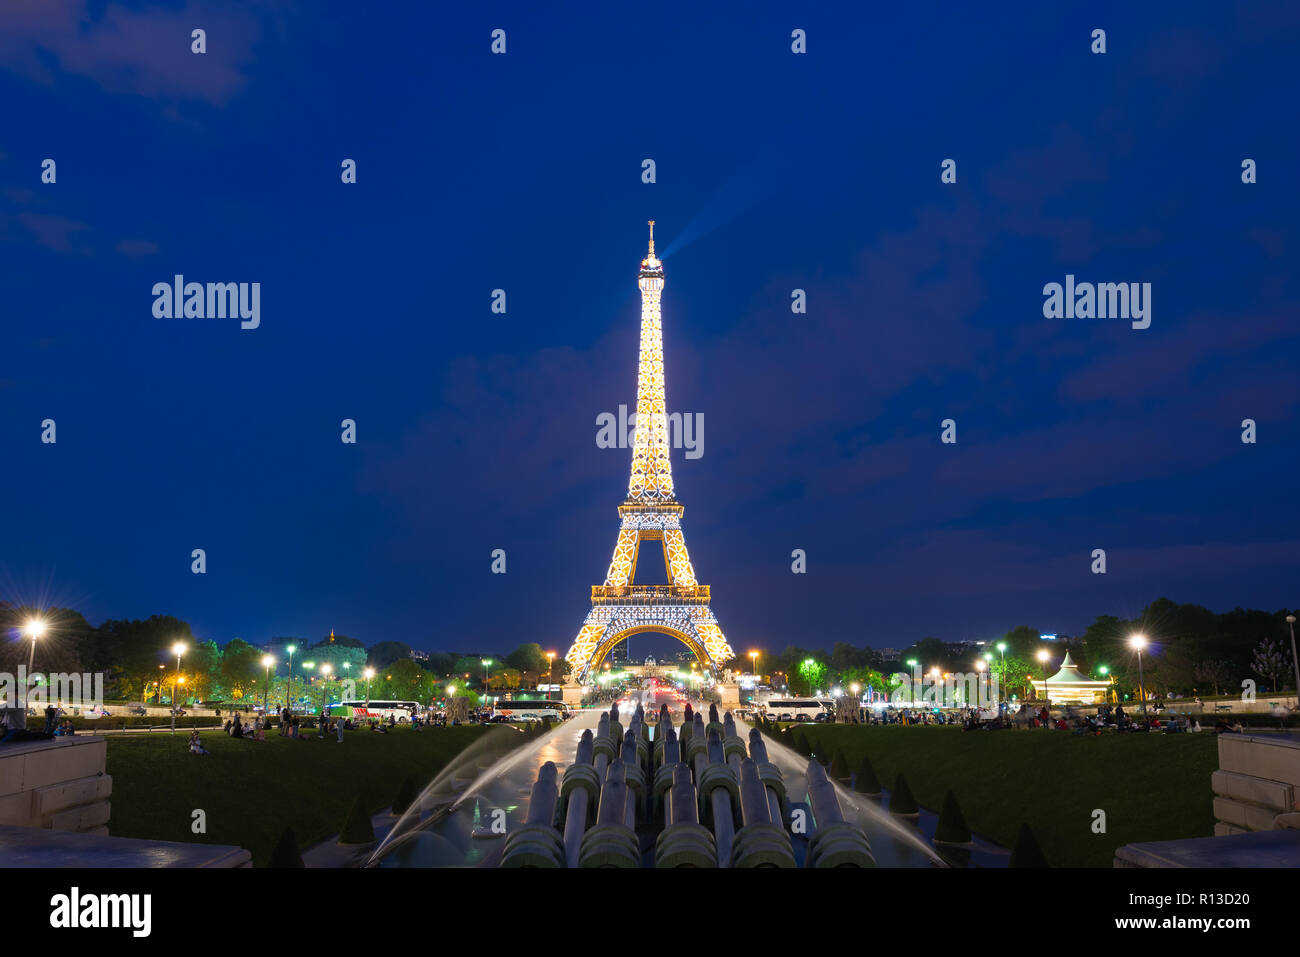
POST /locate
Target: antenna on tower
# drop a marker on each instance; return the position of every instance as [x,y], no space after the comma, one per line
[652,239]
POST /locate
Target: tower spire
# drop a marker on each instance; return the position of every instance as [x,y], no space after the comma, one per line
[652,474]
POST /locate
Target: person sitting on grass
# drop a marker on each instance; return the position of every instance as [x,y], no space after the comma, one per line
[338,728]
[196,746]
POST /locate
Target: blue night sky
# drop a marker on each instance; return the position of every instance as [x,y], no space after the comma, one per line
[523,172]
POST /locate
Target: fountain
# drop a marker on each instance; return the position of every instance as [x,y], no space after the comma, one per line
[706,793]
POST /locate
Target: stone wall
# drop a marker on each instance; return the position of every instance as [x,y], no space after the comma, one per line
[58,784]
[1258,779]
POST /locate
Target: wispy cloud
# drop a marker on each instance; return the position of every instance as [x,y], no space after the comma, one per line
[137,51]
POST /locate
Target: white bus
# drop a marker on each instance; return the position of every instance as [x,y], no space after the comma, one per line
[533,709]
[401,711]
[797,709]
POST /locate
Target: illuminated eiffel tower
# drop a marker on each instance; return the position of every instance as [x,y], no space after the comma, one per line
[650,513]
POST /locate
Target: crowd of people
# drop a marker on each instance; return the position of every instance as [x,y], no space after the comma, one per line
[1106,718]
[293,726]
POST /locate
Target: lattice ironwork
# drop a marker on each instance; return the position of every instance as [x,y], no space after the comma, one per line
[651,513]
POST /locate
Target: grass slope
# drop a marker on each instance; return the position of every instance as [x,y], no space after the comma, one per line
[1152,787]
[252,790]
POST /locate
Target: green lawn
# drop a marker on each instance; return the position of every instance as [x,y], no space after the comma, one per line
[252,790]
[1152,786]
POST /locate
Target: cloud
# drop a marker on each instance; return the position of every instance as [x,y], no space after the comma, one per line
[136,247]
[144,52]
[53,232]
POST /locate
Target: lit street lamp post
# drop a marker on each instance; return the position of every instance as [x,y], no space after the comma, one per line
[34,629]
[1138,642]
[325,671]
[1002,675]
[368,674]
[267,661]
[288,688]
[178,650]
[1042,660]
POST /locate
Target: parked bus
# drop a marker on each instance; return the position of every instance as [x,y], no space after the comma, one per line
[797,709]
[534,709]
[401,711]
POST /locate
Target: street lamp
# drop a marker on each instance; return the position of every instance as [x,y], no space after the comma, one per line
[979,668]
[288,690]
[753,663]
[1104,671]
[368,674]
[486,663]
[178,650]
[267,661]
[35,628]
[1138,642]
[325,671]
[550,666]
[1002,659]
[1042,656]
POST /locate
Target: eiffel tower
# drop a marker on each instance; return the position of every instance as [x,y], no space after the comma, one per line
[650,513]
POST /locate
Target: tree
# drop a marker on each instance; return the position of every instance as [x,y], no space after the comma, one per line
[1026,852]
[1022,641]
[403,680]
[384,653]
[1214,672]
[812,672]
[528,657]
[241,668]
[286,853]
[952,827]
[202,669]
[345,661]
[357,828]
[442,663]
[929,652]
[901,800]
[1013,674]
[1271,661]
[67,645]
[131,651]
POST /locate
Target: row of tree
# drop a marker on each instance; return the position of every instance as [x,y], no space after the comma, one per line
[1189,650]
[137,659]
